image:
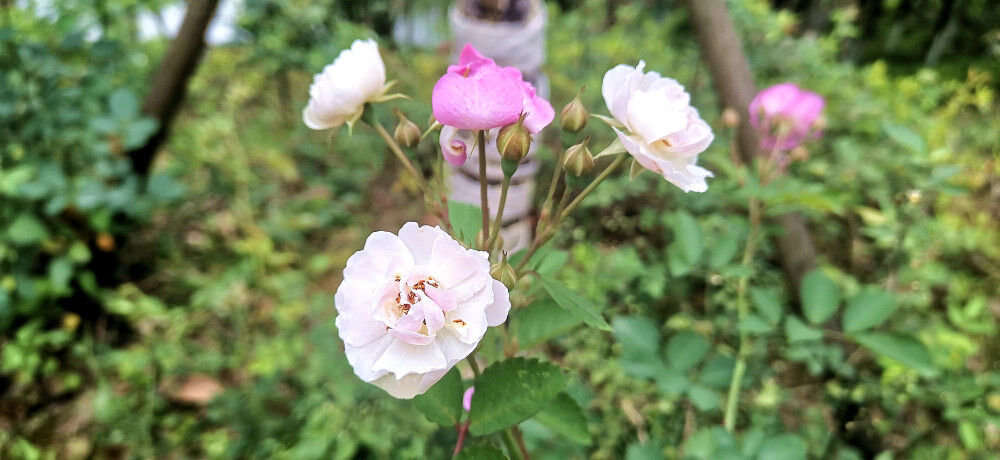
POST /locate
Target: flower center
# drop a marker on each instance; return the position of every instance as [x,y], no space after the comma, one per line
[408,307]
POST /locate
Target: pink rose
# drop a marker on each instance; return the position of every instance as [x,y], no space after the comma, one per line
[477,94]
[786,115]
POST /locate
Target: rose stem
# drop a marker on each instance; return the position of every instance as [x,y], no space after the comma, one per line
[508,440]
[484,200]
[732,401]
[498,221]
[604,175]
[421,182]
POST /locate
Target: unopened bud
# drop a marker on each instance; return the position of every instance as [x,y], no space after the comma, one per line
[574,116]
[407,133]
[799,153]
[819,124]
[579,160]
[514,140]
[730,117]
[503,272]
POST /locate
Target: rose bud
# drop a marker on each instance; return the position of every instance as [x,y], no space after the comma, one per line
[503,272]
[574,116]
[407,133]
[514,140]
[579,160]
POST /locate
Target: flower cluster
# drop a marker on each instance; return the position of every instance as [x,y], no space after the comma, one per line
[412,306]
[665,133]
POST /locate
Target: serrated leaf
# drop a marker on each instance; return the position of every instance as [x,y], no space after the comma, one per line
[481,451]
[512,391]
[541,321]
[868,308]
[798,331]
[574,303]
[902,348]
[565,417]
[466,221]
[442,403]
[767,302]
[685,350]
[820,297]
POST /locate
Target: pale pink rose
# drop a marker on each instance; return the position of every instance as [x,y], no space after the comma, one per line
[786,115]
[338,94]
[665,134]
[412,306]
[457,145]
[477,94]
[467,399]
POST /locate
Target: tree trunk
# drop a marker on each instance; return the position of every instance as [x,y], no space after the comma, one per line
[170,82]
[722,48]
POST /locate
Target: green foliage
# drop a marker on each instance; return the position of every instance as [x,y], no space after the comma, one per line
[442,404]
[512,391]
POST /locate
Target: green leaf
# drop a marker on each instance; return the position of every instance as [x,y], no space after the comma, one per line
[647,451]
[26,229]
[61,272]
[755,325]
[782,447]
[820,297]
[442,403]
[717,372]
[138,132]
[767,301]
[685,350]
[868,308]
[163,187]
[723,249]
[703,398]
[512,391]
[541,321]
[688,245]
[906,138]
[797,331]
[481,451]
[574,303]
[565,417]
[900,347]
[672,382]
[124,105]
[640,339]
[466,221]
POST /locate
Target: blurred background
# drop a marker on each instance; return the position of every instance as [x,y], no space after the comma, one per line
[171,234]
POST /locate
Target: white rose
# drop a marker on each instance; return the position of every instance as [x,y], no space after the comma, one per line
[338,94]
[665,134]
[412,306]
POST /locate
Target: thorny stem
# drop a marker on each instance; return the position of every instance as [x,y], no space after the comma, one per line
[579,198]
[484,199]
[743,308]
[498,220]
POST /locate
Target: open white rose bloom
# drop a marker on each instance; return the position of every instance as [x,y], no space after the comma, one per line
[665,133]
[412,306]
[338,94]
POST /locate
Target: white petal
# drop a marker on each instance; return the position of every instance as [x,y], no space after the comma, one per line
[403,358]
[419,239]
[461,272]
[654,115]
[496,312]
[370,264]
[614,80]
[355,323]
[405,388]
[363,358]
